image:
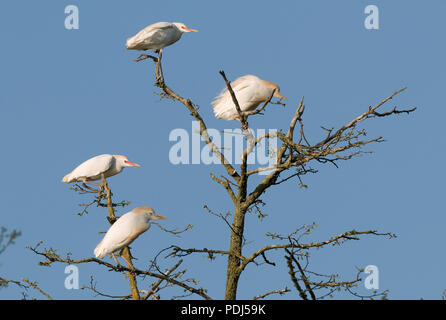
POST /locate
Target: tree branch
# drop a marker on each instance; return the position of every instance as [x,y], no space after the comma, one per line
[52,257]
[264,295]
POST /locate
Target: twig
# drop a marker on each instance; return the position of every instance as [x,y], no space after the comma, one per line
[242,116]
[281,292]
[155,286]
[35,286]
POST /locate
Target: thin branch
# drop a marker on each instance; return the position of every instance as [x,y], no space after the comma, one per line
[364,116]
[221,216]
[174,231]
[226,184]
[180,252]
[155,286]
[259,110]
[242,116]
[35,285]
[264,295]
[295,281]
[302,273]
[349,235]
[393,111]
[203,129]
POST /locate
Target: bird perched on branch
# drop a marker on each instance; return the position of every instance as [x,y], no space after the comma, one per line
[93,169]
[157,36]
[250,91]
[125,230]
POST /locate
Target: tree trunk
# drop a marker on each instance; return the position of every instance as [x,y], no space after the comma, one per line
[235,248]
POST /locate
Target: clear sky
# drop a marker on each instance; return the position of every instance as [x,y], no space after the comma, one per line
[67,95]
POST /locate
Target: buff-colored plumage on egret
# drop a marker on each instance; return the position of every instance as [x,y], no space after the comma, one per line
[250,91]
[125,230]
[93,168]
[157,36]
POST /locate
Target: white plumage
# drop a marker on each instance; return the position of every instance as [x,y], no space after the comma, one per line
[157,36]
[125,230]
[249,90]
[91,170]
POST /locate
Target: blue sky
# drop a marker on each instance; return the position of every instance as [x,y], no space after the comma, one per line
[67,95]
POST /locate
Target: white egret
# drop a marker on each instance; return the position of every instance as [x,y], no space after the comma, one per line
[92,169]
[157,36]
[125,230]
[250,91]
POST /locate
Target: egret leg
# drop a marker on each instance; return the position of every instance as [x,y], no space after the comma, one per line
[129,263]
[244,126]
[249,136]
[89,188]
[93,183]
[141,57]
[144,56]
[85,182]
[116,260]
[159,68]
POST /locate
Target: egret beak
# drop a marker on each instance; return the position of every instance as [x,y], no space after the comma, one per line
[131,164]
[279,95]
[190,30]
[157,216]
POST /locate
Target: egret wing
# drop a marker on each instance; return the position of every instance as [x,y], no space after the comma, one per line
[122,233]
[93,167]
[245,89]
[156,35]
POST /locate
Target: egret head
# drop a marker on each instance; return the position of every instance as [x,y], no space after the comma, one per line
[123,162]
[277,93]
[182,27]
[148,213]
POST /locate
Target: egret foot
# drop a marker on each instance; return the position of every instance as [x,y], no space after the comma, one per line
[93,190]
[144,56]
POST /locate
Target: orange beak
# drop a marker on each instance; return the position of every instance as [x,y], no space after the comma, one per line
[279,95]
[190,30]
[160,217]
[131,164]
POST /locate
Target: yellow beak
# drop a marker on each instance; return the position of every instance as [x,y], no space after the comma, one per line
[279,95]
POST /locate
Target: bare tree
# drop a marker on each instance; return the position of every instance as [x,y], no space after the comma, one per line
[292,160]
